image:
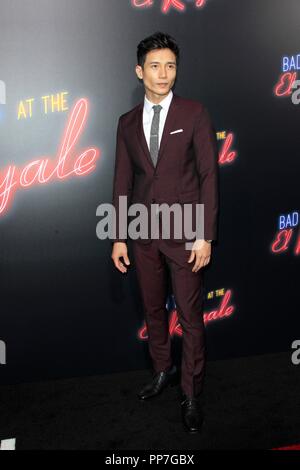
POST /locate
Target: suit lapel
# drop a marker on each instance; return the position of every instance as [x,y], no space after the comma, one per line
[166,132]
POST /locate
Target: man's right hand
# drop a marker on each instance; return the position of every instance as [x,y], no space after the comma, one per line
[120,251]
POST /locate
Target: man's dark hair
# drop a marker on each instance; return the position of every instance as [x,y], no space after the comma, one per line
[157,40]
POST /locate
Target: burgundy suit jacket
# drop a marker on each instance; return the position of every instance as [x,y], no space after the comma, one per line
[187,165]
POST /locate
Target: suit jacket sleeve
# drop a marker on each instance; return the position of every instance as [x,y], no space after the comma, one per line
[206,153]
[123,181]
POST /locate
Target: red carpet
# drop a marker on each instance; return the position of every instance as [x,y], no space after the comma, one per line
[293,447]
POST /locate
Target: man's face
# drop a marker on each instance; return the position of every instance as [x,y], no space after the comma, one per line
[159,72]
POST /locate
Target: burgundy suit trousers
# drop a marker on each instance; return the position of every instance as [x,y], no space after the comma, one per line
[152,262]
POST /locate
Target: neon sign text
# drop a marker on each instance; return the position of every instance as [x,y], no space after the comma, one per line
[226,154]
[42,170]
[285,84]
[282,241]
[224,311]
[178,5]
[288,220]
[291,63]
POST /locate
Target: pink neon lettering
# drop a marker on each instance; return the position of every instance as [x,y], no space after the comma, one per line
[227,156]
[224,310]
[284,85]
[43,169]
[282,240]
[297,247]
[166,4]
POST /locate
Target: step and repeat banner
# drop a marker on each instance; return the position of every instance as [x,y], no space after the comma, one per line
[67,72]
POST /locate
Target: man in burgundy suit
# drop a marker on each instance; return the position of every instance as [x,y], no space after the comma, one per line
[166,152]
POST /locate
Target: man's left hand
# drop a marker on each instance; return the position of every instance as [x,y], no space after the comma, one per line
[201,252]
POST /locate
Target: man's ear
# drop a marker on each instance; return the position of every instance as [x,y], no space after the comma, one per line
[138,71]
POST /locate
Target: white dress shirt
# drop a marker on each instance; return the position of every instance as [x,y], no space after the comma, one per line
[148,113]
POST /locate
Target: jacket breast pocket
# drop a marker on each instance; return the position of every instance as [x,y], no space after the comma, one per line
[181,139]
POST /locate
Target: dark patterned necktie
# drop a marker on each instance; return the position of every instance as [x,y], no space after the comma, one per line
[154,133]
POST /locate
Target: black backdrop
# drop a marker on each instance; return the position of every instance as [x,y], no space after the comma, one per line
[65,310]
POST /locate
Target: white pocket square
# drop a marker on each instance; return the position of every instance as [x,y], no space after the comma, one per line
[175,132]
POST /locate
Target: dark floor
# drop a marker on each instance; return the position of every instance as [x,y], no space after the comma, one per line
[249,403]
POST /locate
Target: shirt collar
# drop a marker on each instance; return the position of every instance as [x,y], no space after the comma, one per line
[165,103]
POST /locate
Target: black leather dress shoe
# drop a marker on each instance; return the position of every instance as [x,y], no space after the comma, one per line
[159,382]
[192,414]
